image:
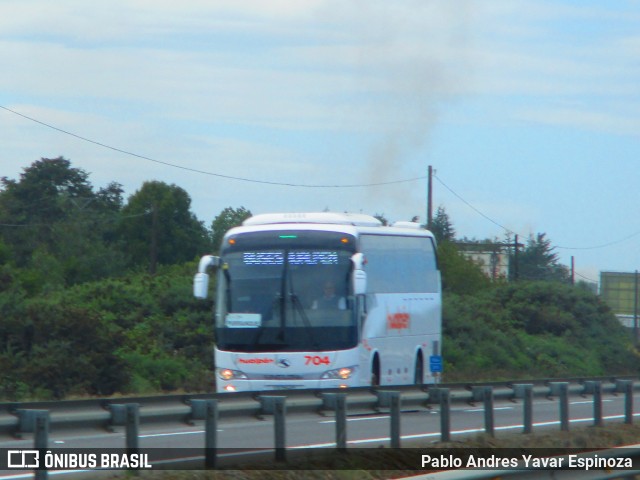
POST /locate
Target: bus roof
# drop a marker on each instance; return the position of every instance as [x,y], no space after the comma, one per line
[331,218]
[354,224]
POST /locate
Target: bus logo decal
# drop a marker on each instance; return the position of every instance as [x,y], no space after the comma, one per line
[255,361]
[398,321]
[284,363]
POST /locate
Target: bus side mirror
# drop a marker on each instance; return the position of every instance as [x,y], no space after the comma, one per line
[358,261]
[358,275]
[201,279]
[201,285]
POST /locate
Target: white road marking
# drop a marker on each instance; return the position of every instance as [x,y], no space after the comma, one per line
[482,409]
[358,419]
[588,401]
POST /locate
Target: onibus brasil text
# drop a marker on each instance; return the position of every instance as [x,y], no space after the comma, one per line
[71,460]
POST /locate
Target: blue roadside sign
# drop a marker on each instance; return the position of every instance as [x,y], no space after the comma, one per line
[435,363]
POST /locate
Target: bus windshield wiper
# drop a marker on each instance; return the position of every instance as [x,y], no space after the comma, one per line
[297,304]
[298,307]
[283,297]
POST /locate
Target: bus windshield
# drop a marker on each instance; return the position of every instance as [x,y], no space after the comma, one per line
[291,298]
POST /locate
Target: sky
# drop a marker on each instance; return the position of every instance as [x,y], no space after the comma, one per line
[528,110]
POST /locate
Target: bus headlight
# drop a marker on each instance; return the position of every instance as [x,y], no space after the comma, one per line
[228,374]
[339,373]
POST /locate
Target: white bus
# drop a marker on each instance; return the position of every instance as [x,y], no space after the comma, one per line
[324,300]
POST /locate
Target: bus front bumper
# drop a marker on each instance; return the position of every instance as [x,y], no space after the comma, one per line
[238,385]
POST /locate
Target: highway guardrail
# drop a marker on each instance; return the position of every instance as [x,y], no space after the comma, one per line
[103,415]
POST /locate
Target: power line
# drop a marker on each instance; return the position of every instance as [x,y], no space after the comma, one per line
[586,278]
[203,172]
[593,247]
[471,206]
[288,184]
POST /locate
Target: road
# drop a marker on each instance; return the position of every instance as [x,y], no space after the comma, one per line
[237,438]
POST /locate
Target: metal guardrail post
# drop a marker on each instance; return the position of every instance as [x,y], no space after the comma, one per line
[488,410]
[41,439]
[525,391]
[127,414]
[597,404]
[338,403]
[132,426]
[391,399]
[41,430]
[277,406]
[443,397]
[445,414]
[211,434]
[341,422]
[628,403]
[36,422]
[207,410]
[279,419]
[528,407]
[564,407]
[395,420]
[626,387]
[562,390]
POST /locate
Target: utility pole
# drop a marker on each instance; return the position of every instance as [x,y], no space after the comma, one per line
[635,309]
[153,250]
[430,198]
[573,270]
[515,258]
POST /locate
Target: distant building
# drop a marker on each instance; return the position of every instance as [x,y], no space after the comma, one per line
[620,291]
[492,258]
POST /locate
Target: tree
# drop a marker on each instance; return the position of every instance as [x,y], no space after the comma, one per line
[110,197]
[538,261]
[42,196]
[442,227]
[159,227]
[227,219]
[46,179]
[460,275]
[52,212]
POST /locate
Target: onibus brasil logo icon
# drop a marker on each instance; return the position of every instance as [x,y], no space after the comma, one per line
[23,459]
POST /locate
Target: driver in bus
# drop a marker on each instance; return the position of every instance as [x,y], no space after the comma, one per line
[329,299]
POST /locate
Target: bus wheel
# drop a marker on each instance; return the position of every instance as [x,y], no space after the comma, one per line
[418,378]
[375,372]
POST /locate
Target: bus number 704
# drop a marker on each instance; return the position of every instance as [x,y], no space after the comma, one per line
[316,360]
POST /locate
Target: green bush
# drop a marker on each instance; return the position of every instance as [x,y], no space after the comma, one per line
[538,329]
[135,333]
[60,349]
[141,334]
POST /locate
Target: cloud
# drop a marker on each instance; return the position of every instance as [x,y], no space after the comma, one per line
[320,91]
[598,121]
[121,21]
